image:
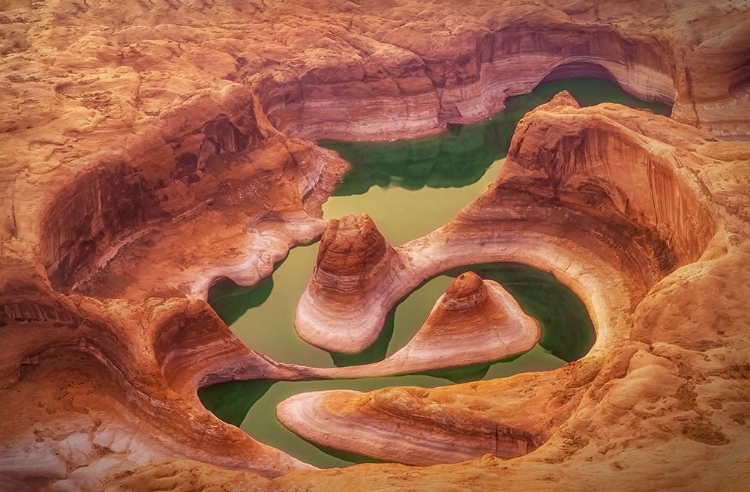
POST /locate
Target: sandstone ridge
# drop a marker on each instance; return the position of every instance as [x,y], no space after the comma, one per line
[475,322]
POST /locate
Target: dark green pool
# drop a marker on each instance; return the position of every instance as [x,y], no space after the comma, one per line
[409,188]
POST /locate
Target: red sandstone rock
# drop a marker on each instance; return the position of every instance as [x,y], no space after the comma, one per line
[476,321]
[339,311]
[120,122]
[614,202]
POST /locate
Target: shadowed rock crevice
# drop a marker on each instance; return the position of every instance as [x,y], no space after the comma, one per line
[86,217]
[580,69]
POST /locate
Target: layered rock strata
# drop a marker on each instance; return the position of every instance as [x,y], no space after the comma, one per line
[638,210]
[264,200]
[614,202]
[353,261]
[476,321]
[400,83]
[386,412]
[123,119]
[110,416]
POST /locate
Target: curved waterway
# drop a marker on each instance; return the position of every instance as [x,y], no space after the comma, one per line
[409,188]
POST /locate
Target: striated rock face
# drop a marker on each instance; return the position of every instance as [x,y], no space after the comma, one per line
[148,148]
[679,59]
[351,247]
[614,174]
[385,413]
[597,182]
[109,404]
[353,259]
[618,204]
[89,214]
[476,321]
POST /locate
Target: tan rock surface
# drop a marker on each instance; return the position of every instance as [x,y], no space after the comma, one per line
[476,321]
[354,262]
[371,425]
[124,123]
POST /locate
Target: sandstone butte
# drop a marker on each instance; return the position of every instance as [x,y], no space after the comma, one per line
[149,148]
[351,289]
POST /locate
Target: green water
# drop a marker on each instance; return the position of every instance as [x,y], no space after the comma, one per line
[263,317]
[409,188]
[261,422]
[462,155]
[567,334]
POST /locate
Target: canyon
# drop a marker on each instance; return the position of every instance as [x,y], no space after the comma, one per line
[150,149]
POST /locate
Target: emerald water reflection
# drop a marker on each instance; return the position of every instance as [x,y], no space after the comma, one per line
[462,155]
[256,401]
[567,334]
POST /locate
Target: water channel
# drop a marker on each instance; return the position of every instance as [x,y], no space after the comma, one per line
[409,188]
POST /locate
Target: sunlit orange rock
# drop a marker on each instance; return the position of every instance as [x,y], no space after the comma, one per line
[149,148]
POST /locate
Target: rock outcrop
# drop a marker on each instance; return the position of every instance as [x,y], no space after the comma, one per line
[147,149]
[433,433]
[354,263]
[475,322]
[613,201]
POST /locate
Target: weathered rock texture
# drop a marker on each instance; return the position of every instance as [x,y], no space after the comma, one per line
[146,150]
[354,262]
[384,414]
[612,201]
[476,321]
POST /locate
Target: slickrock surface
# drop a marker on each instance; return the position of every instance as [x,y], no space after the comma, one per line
[616,202]
[475,321]
[385,413]
[149,147]
[354,264]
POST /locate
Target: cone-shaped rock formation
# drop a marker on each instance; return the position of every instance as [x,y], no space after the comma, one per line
[354,261]
[474,321]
